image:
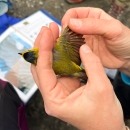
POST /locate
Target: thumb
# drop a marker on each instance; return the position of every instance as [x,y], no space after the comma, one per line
[92,26]
[92,65]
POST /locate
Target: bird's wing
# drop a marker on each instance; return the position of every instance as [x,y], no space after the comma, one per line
[71,42]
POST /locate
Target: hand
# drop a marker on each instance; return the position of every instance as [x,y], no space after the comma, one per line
[106,36]
[93,106]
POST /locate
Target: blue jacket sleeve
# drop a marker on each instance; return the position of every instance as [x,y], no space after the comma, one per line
[125,79]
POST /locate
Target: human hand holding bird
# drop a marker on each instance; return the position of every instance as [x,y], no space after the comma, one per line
[66,59]
[90,106]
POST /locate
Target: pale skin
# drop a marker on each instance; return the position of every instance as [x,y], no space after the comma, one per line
[106,37]
[92,106]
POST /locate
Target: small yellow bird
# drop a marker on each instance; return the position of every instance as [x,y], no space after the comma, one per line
[66,59]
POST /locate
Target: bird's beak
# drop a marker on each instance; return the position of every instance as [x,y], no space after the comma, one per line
[20,53]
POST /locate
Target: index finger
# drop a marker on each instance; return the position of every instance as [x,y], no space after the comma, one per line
[84,12]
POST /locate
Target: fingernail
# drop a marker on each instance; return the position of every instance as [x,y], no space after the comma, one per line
[85,48]
[76,22]
[63,27]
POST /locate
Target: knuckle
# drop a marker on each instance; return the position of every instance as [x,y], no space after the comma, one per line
[101,10]
[102,89]
[68,11]
[93,24]
[105,88]
[118,27]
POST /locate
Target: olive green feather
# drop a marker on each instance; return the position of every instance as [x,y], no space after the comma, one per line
[66,58]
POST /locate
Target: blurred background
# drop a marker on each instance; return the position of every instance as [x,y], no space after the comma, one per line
[37,118]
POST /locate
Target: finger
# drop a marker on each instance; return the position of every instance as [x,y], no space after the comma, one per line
[46,75]
[44,43]
[34,73]
[90,26]
[92,65]
[55,30]
[84,12]
[36,43]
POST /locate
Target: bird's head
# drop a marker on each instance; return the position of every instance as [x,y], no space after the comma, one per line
[30,55]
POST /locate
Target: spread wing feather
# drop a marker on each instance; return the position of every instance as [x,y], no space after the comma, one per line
[72,43]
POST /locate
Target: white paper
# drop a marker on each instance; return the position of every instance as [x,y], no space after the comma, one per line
[31,26]
[16,39]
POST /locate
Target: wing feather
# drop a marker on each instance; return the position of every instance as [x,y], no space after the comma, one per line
[72,43]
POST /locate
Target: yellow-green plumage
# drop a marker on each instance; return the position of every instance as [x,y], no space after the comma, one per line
[66,59]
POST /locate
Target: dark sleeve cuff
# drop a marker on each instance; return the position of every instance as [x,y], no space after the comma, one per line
[125,78]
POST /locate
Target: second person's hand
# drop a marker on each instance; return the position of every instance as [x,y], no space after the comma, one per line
[108,38]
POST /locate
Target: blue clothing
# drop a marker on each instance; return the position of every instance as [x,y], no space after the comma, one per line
[6,21]
[125,79]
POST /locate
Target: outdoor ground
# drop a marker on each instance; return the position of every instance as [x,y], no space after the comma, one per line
[37,118]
